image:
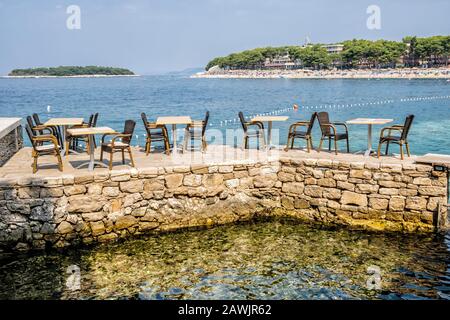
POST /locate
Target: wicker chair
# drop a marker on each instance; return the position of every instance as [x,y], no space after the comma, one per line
[196,129]
[155,132]
[38,130]
[293,133]
[119,143]
[40,148]
[38,124]
[257,133]
[401,139]
[329,130]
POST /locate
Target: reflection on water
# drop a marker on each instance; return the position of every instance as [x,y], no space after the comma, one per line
[276,259]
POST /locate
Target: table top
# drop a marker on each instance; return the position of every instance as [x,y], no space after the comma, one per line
[270,118]
[8,124]
[64,122]
[369,121]
[89,131]
[174,120]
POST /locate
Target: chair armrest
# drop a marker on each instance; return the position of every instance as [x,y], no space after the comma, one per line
[298,124]
[195,124]
[42,128]
[119,136]
[256,123]
[108,134]
[46,137]
[341,124]
[397,128]
[331,125]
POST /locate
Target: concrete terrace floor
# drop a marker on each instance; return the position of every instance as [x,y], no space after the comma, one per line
[20,164]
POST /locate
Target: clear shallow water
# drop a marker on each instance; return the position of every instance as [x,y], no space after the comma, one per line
[117,99]
[275,259]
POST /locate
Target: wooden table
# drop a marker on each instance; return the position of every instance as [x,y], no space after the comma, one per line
[174,121]
[90,132]
[269,120]
[369,122]
[64,123]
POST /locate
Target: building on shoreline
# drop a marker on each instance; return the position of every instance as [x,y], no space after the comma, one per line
[282,62]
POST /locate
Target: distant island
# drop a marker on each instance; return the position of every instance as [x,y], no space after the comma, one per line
[71,71]
[413,57]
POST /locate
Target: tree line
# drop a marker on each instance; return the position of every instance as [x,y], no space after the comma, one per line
[70,71]
[410,52]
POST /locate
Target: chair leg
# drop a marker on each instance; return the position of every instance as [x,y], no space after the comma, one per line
[348,146]
[60,164]
[308,144]
[131,157]
[379,148]
[185,142]
[123,156]
[401,150]
[387,148]
[111,160]
[35,163]
[148,145]
[287,143]
[244,142]
[67,147]
[204,144]
[407,149]
[101,154]
[335,146]
[329,143]
[320,144]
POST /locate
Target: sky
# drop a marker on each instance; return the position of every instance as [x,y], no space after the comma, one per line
[158,36]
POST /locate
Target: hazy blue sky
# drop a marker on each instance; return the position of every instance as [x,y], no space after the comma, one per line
[164,35]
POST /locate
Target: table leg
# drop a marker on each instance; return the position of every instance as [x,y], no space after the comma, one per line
[369,141]
[92,163]
[91,152]
[174,137]
[63,141]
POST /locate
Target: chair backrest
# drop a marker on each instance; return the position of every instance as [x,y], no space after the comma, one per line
[91,120]
[30,134]
[243,123]
[324,119]
[311,123]
[145,120]
[408,122]
[36,119]
[128,129]
[205,122]
[31,124]
[94,121]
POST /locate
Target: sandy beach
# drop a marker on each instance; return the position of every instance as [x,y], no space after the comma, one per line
[410,73]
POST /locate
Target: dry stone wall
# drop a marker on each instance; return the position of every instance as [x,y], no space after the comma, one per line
[106,205]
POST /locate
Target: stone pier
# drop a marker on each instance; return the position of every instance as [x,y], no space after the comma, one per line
[11,139]
[64,209]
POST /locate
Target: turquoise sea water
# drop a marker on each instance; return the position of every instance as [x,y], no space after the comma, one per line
[270,260]
[117,99]
[274,259]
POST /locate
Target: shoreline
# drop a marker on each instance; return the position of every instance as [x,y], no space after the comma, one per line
[77,76]
[410,73]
